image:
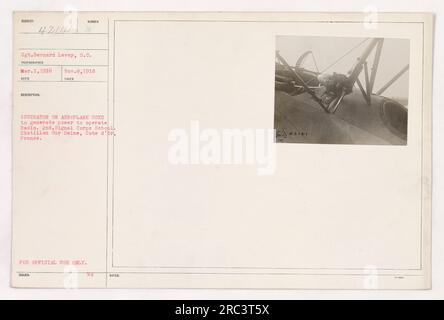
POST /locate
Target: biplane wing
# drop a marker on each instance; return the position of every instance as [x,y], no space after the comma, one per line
[300,119]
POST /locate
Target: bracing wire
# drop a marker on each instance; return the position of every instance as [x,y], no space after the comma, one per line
[344,55]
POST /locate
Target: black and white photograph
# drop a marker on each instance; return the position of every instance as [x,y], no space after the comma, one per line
[341,90]
[146,155]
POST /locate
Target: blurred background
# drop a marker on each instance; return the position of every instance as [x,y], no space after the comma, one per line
[395,55]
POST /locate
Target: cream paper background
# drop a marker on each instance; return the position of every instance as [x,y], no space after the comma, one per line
[328,214]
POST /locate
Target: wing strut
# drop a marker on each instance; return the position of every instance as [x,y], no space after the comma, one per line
[362,64]
[396,77]
[306,87]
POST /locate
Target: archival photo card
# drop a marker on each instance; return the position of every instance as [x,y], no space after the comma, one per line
[152,150]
